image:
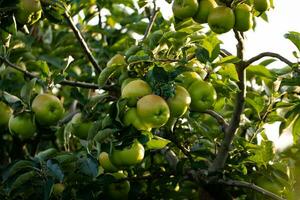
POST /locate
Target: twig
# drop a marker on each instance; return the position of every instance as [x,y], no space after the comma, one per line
[268,54]
[12,65]
[251,186]
[82,42]
[218,117]
[223,151]
[79,84]
[63,82]
[186,152]
[166,60]
[151,23]
[225,53]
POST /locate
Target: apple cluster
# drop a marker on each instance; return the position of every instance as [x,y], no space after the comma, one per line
[46,110]
[221,16]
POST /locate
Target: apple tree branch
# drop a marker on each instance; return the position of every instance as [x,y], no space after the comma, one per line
[82,42]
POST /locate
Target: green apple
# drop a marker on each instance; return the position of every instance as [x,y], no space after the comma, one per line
[131,118]
[185,79]
[79,127]
[180,102]
[203,95]
[118,190]
[47,108]
[197,67]
[204,8]
[243,17]
[105,163]
[153,110]
[184,8]
[128,156]
[22,125]
[5,114]
[261,5]
[135,90]
[221,19]
[58,189]
[28,11]
[126,81]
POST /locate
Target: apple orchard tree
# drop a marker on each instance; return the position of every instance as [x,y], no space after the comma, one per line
[105,99]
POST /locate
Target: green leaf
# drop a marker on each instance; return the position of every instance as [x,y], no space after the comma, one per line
[178,71]
[27,90]
[47,188]
[157,143]
[120,110]
[46,154]
[294,37]
[22,180]
[153,39]
[22,165]
[104,134]
[261,71]
[202,54]
[282,70]
[54,10]
[188,26]
[212,44]
[88,166]
[227,60]
[296,129]
[76,94]
[263,153]
[229,71]
[9,24]
[294,81]
[267,62]
[55,170]
[256,101]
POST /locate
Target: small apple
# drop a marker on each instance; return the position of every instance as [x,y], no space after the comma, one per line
[204,8]
[119,190]
[203,95]
[131,118]
[47,109]
[261,5]
[184,8]
[197,67]
[243,17]
[221,19]
[79,127]
[105,163]
[126,81]
[5,114]
[22,125]
[185,79]
[135,90]
[128,156]
[153,110]
[58,189]
[180,102]
[28,11]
